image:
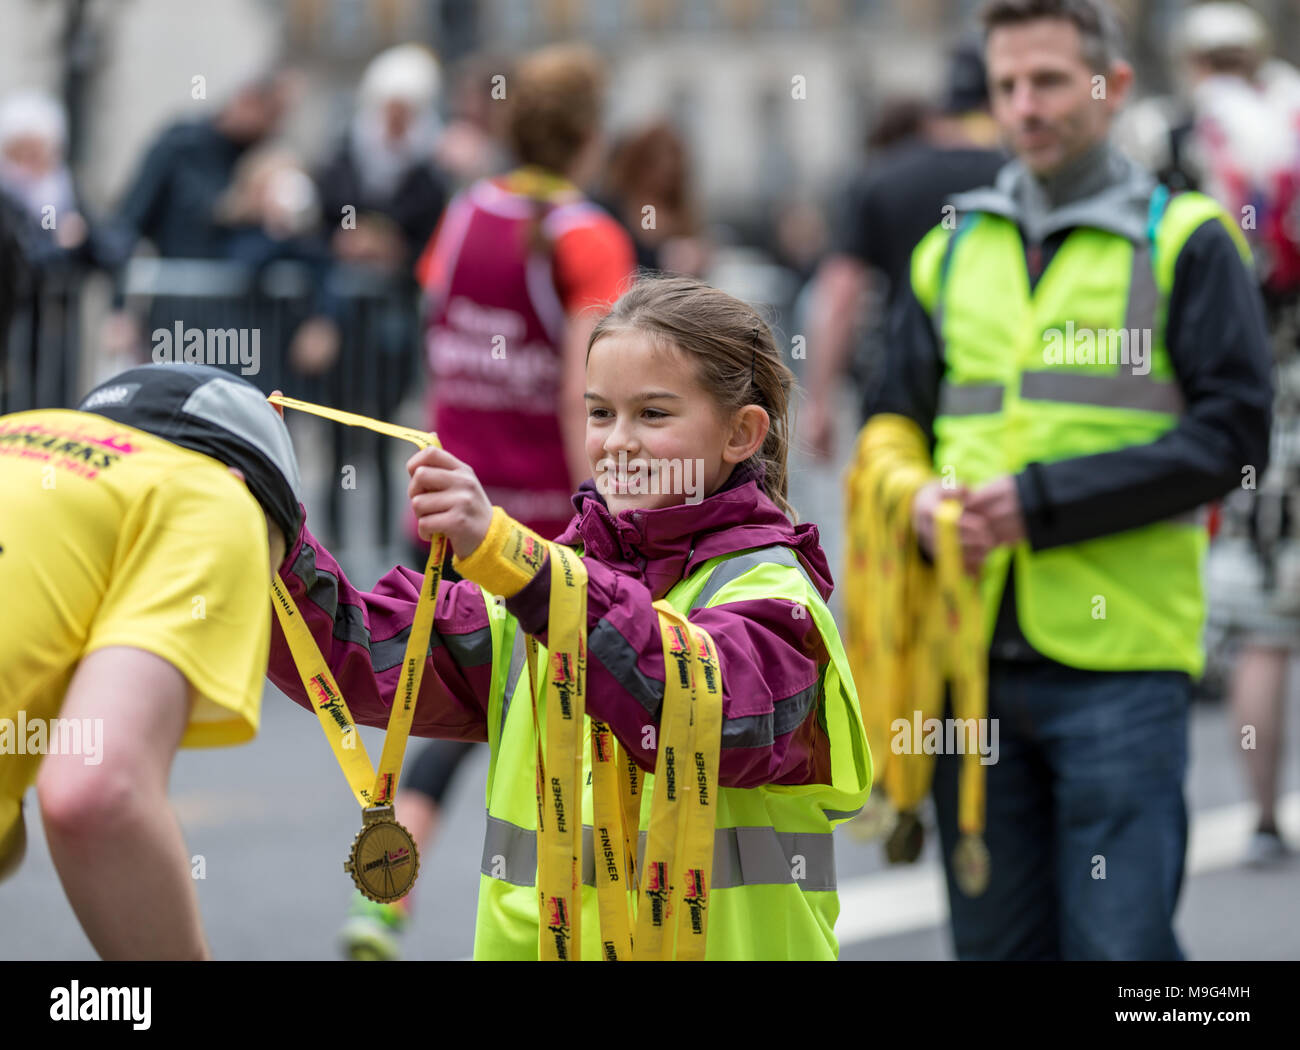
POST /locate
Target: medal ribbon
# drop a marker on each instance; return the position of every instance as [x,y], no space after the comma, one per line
[961,606]
[327,700]
[699,713]
[559,829]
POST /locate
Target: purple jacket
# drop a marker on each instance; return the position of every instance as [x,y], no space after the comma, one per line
[771,655]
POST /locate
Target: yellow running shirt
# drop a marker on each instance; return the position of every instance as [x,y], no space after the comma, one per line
[110,536]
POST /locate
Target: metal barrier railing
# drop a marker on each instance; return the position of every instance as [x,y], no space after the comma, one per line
[241,318]
[39,348]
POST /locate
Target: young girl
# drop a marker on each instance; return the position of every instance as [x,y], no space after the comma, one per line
[687,436]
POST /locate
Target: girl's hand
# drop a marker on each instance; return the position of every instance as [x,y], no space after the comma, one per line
[448,499]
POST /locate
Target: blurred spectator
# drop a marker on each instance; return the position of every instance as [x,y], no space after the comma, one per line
[470,145]
[1237,139]
[172,200]
[800,237]
[889,208]
[34,175]
[380,191]
[515,277]
[46,241]
[271,213]
[901,120]
[649,192]
[271,210]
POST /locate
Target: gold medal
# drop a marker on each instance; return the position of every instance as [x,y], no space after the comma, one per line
[971,864]
[906,839]
[384,859]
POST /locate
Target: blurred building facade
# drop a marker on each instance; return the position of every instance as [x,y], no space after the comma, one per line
[773,95]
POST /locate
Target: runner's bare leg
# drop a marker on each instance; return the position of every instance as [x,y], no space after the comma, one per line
[113,836]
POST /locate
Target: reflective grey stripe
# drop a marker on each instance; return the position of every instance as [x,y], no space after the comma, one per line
[842,814]
[510,853]
[969,399]
[618,657]
[741,856]
[518,655]
[1112,391]
[733,568]
[788,714]
[323,591]
[760,730]
[1143,295]
[473,649]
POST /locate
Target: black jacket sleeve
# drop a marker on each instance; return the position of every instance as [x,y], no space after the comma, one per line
[1219,346]
[908,383]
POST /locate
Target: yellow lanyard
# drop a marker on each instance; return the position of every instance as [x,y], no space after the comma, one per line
[687,768]
[960,603]
[560,787]
[674,881]
[371,788]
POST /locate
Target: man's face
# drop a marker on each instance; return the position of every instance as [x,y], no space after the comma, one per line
[1044,95]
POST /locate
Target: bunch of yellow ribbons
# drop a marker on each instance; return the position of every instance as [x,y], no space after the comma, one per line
[667,916]
[912,629]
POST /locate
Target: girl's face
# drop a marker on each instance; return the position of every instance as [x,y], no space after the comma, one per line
[654,435]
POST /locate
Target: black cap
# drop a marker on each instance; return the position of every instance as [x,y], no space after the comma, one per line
[216,413]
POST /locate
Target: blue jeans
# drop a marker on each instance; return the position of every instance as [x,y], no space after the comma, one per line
[1088,781]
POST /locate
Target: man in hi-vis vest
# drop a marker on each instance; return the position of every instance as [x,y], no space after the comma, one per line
[1087,358]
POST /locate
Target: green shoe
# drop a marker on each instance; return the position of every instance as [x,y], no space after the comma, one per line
[372,930]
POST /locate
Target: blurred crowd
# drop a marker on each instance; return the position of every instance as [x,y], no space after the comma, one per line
[379,200]
[230,189]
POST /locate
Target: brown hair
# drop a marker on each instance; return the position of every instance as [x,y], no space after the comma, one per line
[650,165]
[1102,41]
[555,104]
[728,341]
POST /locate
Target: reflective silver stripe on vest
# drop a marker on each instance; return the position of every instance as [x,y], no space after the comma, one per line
[741,856]
[518,656]
[1111,391]
[787,714]
[1123,390]
[842,814]
[733,568]
[323,590]
[969,399]
[473,649]
[1143,295]
[619,657]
